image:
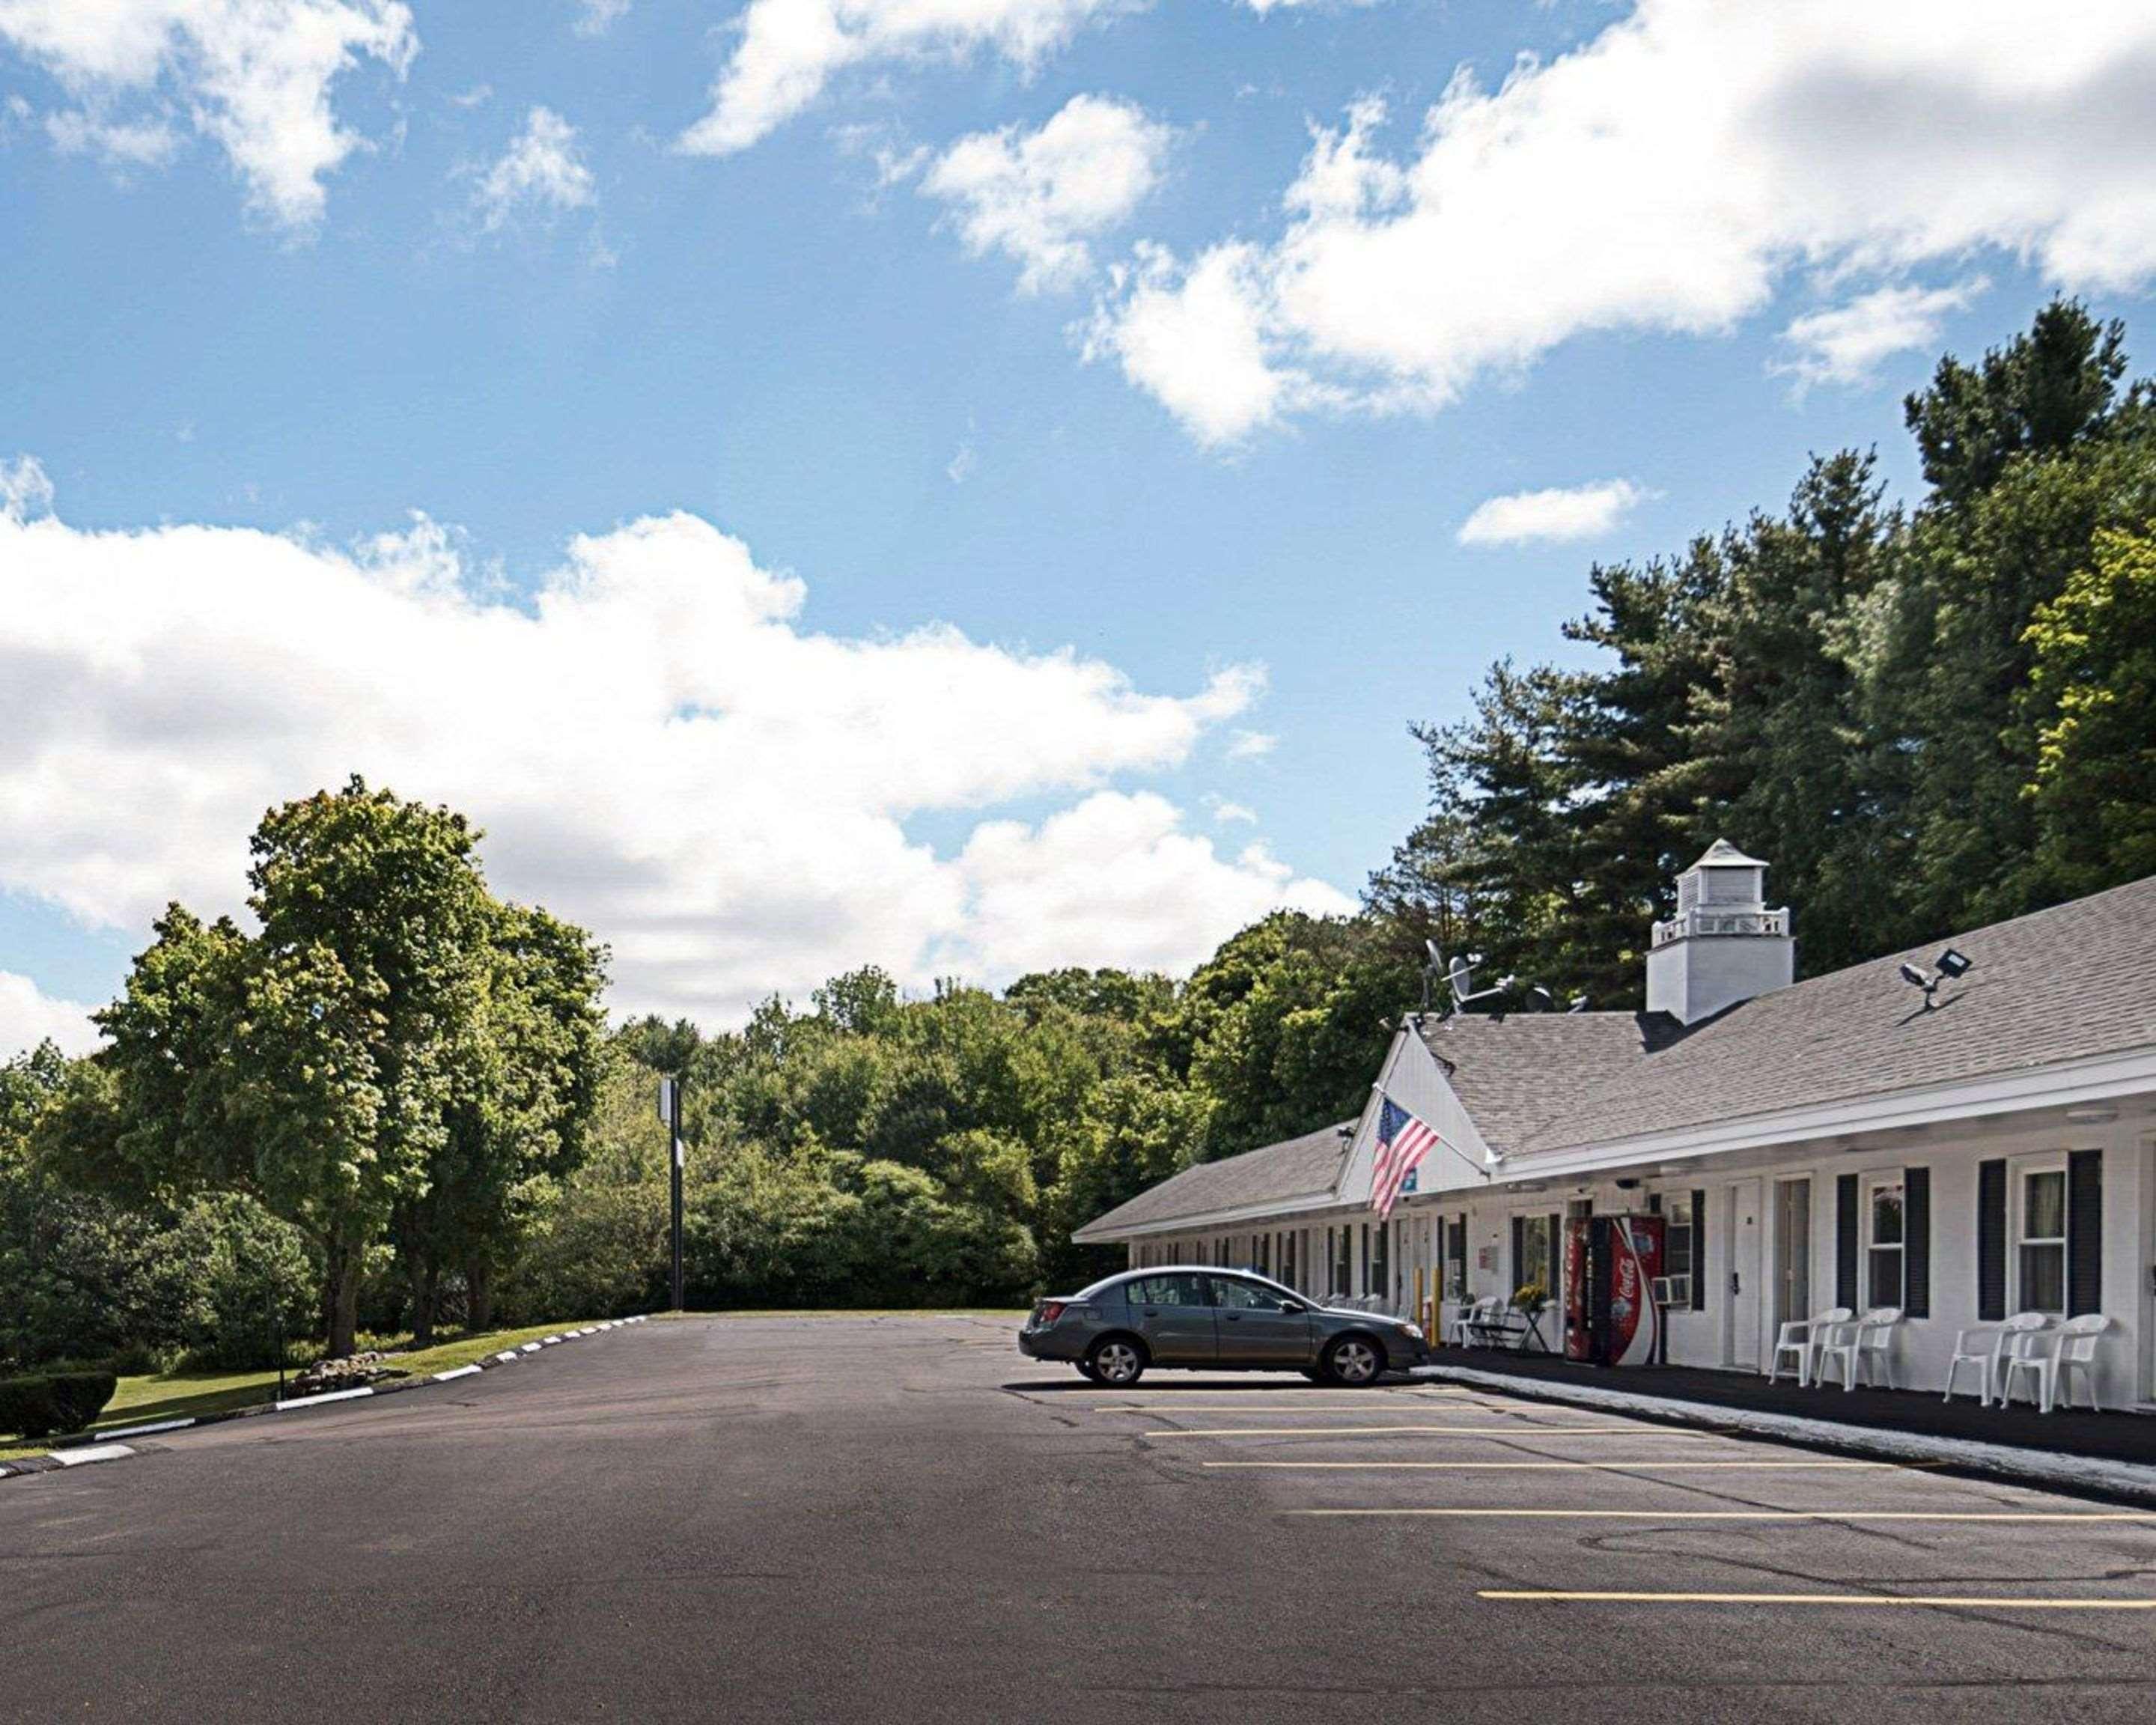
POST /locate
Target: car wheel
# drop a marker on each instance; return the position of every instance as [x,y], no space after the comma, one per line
[1312,1373]
[1085,1370]
[1353,1363]
[1116,1361]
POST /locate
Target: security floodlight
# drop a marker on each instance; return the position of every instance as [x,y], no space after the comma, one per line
[1577,1003]
[1539,996]
[1951,963]
[1926,982]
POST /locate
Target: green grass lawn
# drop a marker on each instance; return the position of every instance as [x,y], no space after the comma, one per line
[179,1395]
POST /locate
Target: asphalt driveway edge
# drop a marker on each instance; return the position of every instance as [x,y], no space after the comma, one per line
[103,1445]
[2083,1476]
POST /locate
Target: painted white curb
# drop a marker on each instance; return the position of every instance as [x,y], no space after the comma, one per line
[529,1348]
[456,1372]
[122,1431]
[508,1356]
[2082,1472]
[94,1452]
[327,1395]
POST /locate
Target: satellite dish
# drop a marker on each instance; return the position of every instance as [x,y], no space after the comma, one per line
[1461,978]
[1436,958]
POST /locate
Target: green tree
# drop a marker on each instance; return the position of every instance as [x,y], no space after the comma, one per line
[2091,700]
[393,1044]
[2041,393]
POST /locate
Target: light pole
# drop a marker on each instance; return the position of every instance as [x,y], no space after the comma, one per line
[670,1111]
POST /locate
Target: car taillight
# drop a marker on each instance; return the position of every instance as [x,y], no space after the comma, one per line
[1050,1311]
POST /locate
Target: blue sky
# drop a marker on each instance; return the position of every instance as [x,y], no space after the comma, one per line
[1193,366]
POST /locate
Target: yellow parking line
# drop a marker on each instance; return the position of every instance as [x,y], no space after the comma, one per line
[1454,1431]
[1572,1466]
[1966,1602]
[1753,1515]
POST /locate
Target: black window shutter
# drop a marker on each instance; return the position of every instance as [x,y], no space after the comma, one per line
[1519,1249]
[2084,1232]
[1916,1241]
[1699,1251]
[1844,1240]
[1990,1241]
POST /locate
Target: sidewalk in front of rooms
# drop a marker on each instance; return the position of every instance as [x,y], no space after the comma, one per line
[2114,1454]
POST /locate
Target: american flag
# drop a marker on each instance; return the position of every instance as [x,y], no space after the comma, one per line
[1402,1139]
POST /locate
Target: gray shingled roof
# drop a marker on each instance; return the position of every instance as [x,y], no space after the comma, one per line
[1297,1168]
[1515,1073]
[2062,984]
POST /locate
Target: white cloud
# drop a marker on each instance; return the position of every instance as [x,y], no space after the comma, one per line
[1845,344]
[252,75]
[1041,196]
[24,489]
[962,464]
[1227,813]
[595,17]
[1252,745]
[28,1016]
[1560,513]
[788,50]
[1667,177]
[1118,874]
[657,744]
[1195,339]
[123,144]
[541,170]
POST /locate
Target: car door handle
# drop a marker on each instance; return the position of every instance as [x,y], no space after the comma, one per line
[1233,1318]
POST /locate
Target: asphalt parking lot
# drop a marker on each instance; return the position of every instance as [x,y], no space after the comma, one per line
[831,1518]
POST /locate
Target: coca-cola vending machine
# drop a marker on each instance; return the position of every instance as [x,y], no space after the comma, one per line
[1610,1263]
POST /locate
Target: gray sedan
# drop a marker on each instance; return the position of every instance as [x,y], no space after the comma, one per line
[1215,1320]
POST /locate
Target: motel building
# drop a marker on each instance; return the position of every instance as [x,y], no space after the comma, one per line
[1984,1148]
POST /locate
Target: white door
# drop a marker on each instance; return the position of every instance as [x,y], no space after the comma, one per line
[1741,1293]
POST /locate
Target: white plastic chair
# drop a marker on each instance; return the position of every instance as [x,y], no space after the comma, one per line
[1801,1338]
[1977,1346]
[2053,1353]
[2023,1338]
[1465,1319]
[2077,1352]
[1862,1342]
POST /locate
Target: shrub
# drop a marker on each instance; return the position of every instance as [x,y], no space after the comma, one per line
[56,1401]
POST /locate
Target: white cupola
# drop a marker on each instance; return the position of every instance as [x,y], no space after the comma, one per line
[1724,945]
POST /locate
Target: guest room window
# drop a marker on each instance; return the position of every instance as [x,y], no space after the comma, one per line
[2042,1257]
[1885,1254]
